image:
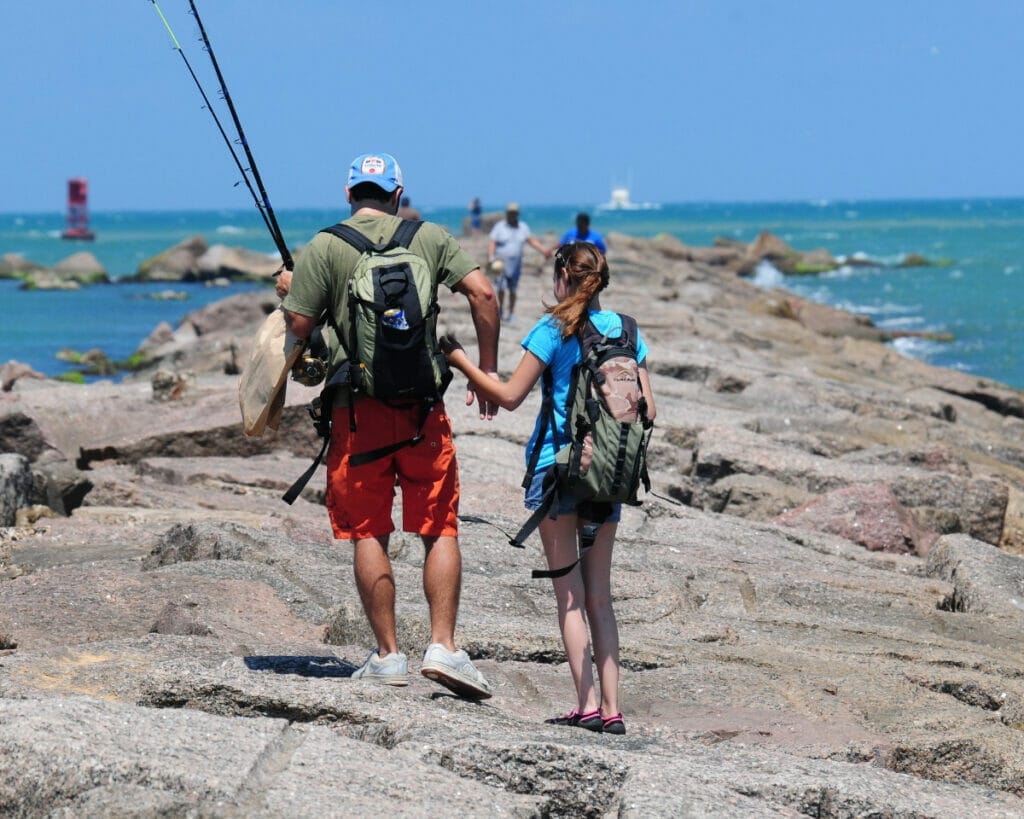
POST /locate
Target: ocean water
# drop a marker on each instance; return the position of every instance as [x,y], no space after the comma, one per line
[975,295]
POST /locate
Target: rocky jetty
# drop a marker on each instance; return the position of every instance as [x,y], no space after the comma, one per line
[820,604]
[70,273]
[194,259]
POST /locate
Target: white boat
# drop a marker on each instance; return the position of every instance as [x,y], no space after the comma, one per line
[620,201]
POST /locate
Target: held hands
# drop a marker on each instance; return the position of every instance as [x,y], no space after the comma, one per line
[449,344]
[456,356]
[488,409]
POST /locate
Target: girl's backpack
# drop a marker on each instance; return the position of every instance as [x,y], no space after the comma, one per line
[604,457]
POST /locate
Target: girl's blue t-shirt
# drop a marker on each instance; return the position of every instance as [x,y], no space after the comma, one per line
[545,341]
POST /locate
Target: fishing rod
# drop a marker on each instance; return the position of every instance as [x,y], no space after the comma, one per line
[266,211]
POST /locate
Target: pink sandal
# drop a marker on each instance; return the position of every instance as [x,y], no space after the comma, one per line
[613,725]
[591,721]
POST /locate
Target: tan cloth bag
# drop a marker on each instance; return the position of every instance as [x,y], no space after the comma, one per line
[261,390]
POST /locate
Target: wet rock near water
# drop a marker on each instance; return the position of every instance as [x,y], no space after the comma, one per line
[194,259]
[820,604]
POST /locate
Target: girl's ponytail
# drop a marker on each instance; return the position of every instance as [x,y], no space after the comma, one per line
[588,276]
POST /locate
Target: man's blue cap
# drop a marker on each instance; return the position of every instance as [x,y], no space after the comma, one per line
[380,169]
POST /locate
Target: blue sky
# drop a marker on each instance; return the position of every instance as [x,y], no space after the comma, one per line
[542,102]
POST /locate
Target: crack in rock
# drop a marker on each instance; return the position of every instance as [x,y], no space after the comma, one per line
[570,782]
[226,701]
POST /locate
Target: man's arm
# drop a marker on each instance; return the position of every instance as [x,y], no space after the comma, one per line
[483,307]
[534,242]
[299,325]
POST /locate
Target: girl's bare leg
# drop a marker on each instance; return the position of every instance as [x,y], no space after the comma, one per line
[559,538]
[597,565]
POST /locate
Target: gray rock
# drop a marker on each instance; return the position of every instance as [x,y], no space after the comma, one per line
[202,634]
[985,580]
[82,266]
[12,371]
[21,434]
[58,484]
[14,264]
[237,262]
[178,263]
[15,486]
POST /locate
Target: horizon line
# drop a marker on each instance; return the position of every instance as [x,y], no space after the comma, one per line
[821,201]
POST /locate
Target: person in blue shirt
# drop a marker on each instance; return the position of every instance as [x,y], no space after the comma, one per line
[584,599]
[583,233]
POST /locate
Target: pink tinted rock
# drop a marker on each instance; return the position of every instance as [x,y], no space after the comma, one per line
[869,515]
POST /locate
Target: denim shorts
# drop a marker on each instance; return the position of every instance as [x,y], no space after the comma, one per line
[566,506]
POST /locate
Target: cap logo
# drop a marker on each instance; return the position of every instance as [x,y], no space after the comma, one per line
[373,165]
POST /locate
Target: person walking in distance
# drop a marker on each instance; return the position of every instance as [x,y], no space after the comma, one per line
[506,245]
[583,595]
[583,233]
[359,496]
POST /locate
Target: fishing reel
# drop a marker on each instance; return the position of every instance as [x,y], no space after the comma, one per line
[309,370]
[311,367]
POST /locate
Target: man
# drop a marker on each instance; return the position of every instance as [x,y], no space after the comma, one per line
[583,233]
[407,211]
[359,498]
[506,245]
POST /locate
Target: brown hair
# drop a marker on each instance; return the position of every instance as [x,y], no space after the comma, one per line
[588,276]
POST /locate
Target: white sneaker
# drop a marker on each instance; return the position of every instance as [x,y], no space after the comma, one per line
[455,671]
[391,669]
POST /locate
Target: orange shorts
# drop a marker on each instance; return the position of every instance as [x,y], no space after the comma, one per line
[359,498]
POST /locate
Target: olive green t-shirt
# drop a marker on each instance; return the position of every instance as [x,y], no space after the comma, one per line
[320,278]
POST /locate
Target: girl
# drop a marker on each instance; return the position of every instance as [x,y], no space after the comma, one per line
[584,594]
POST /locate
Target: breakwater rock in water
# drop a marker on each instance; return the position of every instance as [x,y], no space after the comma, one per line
[820,610]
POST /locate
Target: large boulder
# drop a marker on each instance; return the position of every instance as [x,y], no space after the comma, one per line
[178,263]
[58,484]
[21,434]
[236,262]
[13,370]
[83,267]
[985,579]
[870,515]
[239,313]
[769,247]
[14,264]
[15,486]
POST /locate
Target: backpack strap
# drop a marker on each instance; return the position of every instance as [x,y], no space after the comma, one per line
[297,487]
[406,231]
[402,236]
[547,501]
[596,515]
[360,458]
[547,411]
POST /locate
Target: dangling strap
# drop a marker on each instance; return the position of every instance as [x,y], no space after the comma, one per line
[320,410]
[596,515]
[372,455]
[297,487]
[547,501]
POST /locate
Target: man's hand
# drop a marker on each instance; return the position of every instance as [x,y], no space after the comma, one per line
[488,409]
[284,282]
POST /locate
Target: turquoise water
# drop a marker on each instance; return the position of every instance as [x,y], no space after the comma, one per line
[975,295]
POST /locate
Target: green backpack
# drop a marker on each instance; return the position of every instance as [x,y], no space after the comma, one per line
[391,343]
[389,339]
[606,434]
